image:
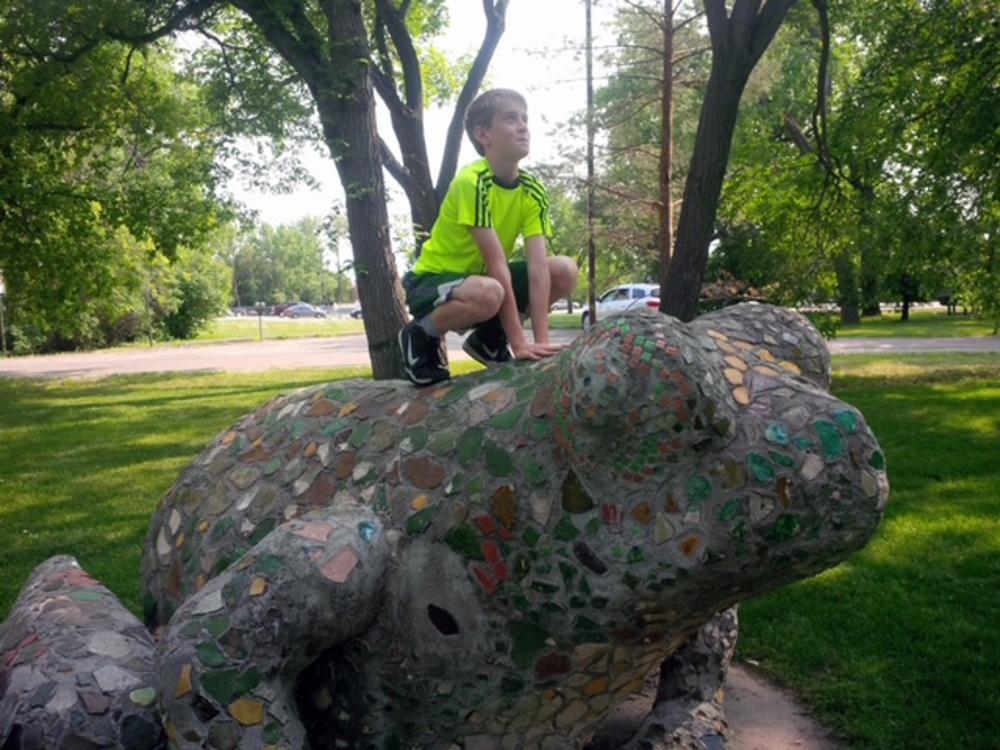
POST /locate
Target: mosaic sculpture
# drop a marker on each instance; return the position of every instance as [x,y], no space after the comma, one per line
[490,564]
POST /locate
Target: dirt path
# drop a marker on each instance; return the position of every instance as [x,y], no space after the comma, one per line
[765,717]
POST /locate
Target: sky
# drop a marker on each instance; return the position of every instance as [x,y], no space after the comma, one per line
[539,54]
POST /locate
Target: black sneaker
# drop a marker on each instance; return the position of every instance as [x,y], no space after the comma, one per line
[487,344]
[421,356]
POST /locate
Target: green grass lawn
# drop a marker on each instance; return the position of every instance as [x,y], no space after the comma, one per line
[249,328]
[898,648]
[922,324]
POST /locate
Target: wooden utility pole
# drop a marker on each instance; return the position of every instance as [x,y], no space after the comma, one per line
[667,145]
[591,250]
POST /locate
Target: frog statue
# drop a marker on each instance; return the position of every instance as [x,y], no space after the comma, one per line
[495,562]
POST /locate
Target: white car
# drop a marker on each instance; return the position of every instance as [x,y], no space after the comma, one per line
[622,298]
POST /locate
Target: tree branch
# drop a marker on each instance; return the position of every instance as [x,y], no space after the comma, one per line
[653,204]
[769,19]
[393,167]
[262,13]
[718,24]
[820,112]
[495,11]
[177,22]
[395,22]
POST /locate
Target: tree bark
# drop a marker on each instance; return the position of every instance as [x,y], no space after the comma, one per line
[738,41]
[871,282]
[346,105]
[848,296]
[703,187]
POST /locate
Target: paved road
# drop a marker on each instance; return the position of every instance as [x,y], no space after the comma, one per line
[337,352]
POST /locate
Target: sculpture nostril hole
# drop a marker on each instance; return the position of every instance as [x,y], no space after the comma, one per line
[586,380]
[442,620]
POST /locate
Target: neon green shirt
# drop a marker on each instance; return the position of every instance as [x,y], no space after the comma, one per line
[476,199]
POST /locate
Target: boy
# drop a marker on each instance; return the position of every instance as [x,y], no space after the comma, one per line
[463,278]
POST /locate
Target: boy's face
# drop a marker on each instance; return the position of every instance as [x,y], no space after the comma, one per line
[507,136]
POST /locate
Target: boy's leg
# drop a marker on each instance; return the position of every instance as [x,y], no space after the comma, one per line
[564,274]
[440,303]
[487,344]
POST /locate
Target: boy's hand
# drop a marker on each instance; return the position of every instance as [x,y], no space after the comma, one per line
[535,352]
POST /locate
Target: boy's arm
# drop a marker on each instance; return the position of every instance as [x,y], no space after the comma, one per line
[539,286]
[496,267]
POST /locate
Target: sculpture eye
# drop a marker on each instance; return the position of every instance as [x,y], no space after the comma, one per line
[442,620]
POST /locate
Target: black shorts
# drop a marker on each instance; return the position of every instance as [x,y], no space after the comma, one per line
[425,291]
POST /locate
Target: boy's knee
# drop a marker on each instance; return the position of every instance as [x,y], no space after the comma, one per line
[492,297]
[564,274]
[485,295]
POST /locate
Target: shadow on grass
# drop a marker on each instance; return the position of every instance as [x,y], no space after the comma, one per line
[82,465]
[897,648]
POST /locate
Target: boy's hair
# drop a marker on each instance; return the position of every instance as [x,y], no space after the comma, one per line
[484,107]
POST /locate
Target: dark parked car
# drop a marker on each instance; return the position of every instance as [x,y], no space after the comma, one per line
[303,310]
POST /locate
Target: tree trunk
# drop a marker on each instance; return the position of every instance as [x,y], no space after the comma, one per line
[871,256]
[848,296]
[739,38]
[347,114]
[679,295]
[667,144]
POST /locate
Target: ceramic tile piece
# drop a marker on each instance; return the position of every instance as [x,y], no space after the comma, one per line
[812,467]
[664,530]
[498,460]
[420,502]
[143,696]
[258,586]
[737,363]
[575,498]
[642,513]
[541,507]
[420,521]
[423,472]
[317,531]
[504,504]
[340,567]
[247,711]
[830,438]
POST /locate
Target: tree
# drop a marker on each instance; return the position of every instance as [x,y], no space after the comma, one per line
[738,39]
[404,94]
[316,57]
[340,52]
[107,174]
[630,180]
[286,263]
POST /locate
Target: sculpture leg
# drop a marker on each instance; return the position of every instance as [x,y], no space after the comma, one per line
[687,713]
[230,655]
[77,669]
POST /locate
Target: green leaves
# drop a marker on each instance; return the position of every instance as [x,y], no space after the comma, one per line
[107,176]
